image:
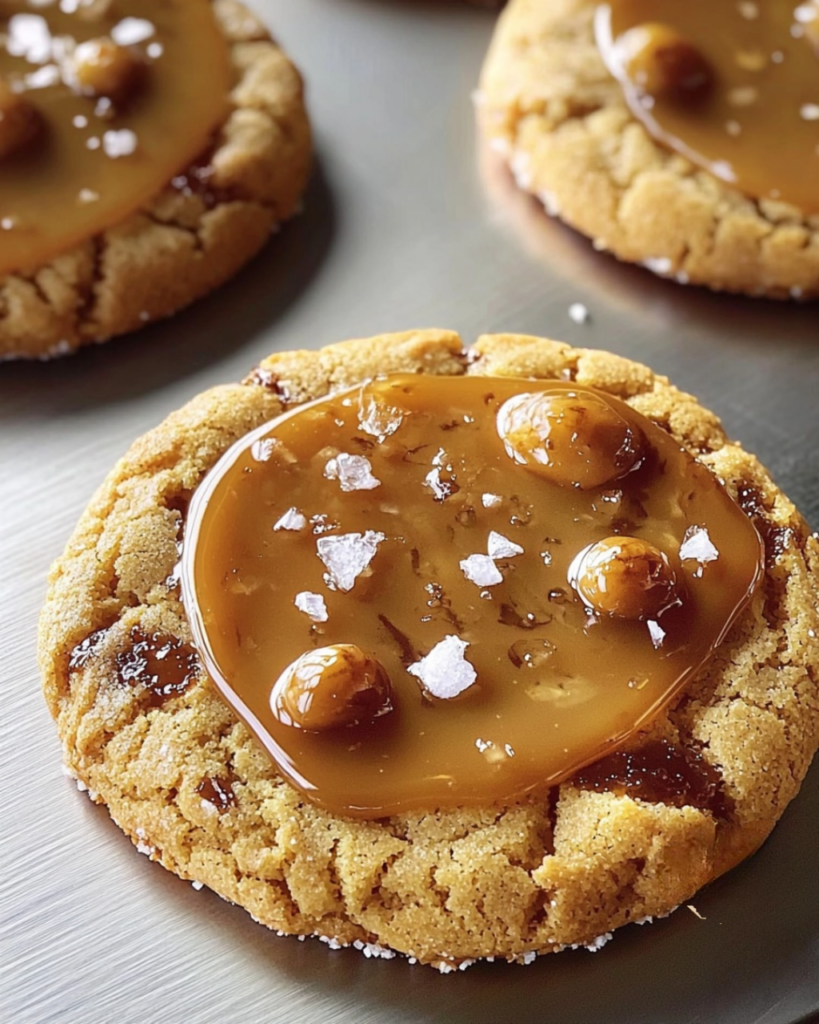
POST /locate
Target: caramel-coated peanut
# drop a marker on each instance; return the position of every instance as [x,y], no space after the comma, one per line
[625,577]
[659,61]
[573,440]
[331,687]
[100,68]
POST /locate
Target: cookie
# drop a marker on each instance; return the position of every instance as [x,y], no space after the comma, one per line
[143,235]
[192,788]
[568,131]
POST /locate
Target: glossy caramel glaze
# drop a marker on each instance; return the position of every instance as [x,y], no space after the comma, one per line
[394,517]
[115,123]
[748,111]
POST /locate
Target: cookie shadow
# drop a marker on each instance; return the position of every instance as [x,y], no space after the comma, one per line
[631,290]
[747,953]
[210,331]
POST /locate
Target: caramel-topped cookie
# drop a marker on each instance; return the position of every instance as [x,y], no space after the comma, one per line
[146,150]
[680,136]
[526,577]
[368,595]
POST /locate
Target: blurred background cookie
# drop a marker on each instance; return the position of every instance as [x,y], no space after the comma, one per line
[147,151]
[675,136]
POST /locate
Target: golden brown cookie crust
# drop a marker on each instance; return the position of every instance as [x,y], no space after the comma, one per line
[549,105]
[180,247]
[559,869]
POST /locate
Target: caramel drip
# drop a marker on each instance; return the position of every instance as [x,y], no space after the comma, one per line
[217,791]
[661,773]
[162,664]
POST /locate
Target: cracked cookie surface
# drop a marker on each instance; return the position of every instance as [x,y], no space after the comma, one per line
[186,781]
[191,238]
[549,106]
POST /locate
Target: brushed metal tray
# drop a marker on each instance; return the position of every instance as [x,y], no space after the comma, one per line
[408,222]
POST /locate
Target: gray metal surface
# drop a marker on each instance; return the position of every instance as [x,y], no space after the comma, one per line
[406,224]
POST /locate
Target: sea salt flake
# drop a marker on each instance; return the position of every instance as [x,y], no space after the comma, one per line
[28,36]
[43,77]
[312,605]
[445,672]
[131,31]
[378,420]
[347,555]
[291,520]
[658,265]
[262,450]
[656,632]
[198,885]
[805,13]
[491,500]
[481,570]
[119,142]
[809,111]
[579,313]
[353,472]
[499,546]
[698,545]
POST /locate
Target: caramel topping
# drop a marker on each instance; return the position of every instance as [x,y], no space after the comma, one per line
[731,86]
[393,536]
[101,105]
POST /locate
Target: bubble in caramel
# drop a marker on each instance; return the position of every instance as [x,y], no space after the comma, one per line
[575,440]
[730,86]
[496,652]
[101,105]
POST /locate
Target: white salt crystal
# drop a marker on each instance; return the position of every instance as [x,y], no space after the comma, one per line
[353,472]
[291,520]
[263,449]
[658,265]
[499,546]
[491,500]
[312,605]
[347,555]
[698,545]
[481,570]
[656,632]
[445,672]
[378,420]
[131,31]
[119,142]
[43,77]
[579,313]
